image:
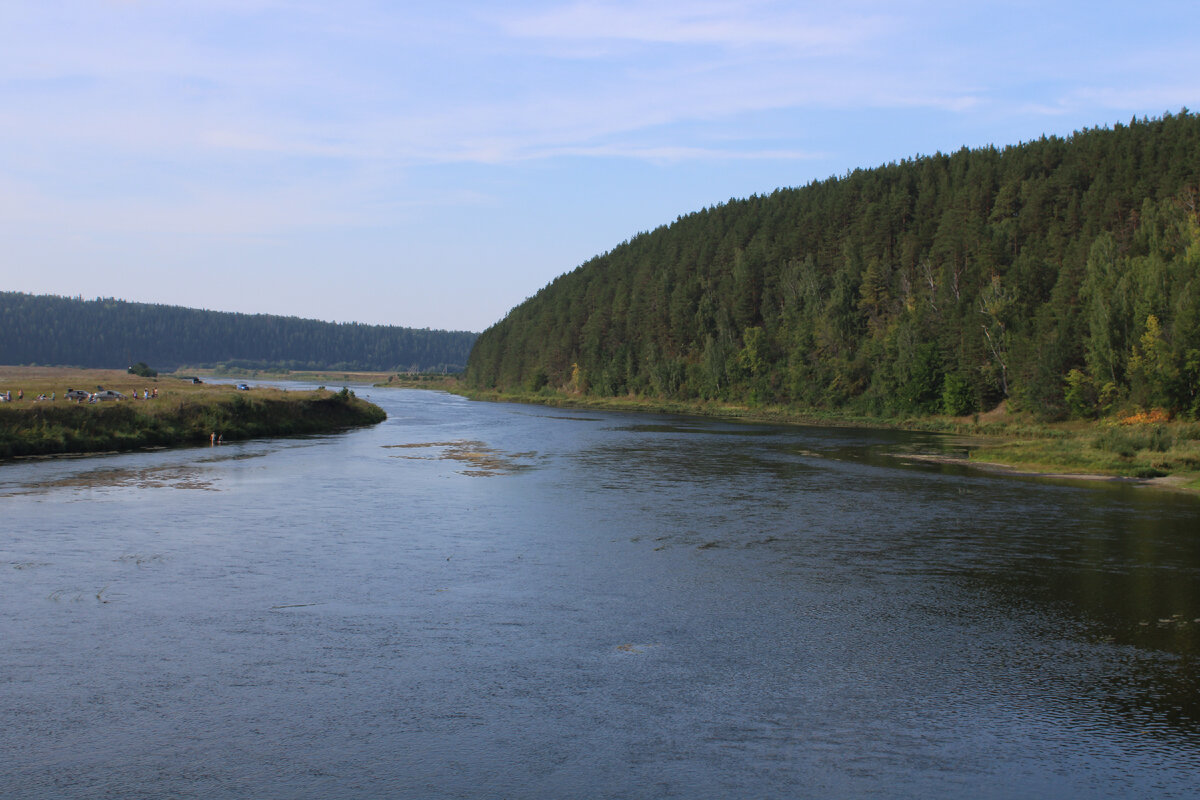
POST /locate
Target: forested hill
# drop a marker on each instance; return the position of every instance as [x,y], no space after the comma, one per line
[44,329]
[1060,274]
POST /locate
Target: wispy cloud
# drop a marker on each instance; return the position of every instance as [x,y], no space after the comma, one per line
[729,24]
[241,118]
[145,81]
[668,154]
[228,92]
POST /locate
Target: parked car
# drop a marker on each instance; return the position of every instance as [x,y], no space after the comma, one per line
[245,387]
[107,394]
[77,394]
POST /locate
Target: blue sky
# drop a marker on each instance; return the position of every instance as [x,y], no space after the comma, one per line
[432,165]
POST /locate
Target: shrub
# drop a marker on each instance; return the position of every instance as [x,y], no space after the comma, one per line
[1123,442]
[1127,442]
[1154,415]
[142,370]
[1081,395]
[958,398]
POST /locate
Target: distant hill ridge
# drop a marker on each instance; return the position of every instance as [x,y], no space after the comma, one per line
[108,333]
[1060,274]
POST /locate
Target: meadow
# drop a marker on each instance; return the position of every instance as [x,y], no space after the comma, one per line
[183,413]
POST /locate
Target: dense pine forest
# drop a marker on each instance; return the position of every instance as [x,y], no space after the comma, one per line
[49,330]
[1061,276]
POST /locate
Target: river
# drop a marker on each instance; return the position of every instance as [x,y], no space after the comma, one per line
[476,600]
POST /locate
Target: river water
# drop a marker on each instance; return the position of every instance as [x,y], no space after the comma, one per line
[497,601]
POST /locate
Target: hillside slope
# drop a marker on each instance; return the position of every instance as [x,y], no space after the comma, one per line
[1060,274]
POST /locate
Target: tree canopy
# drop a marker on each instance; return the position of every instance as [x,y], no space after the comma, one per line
[1061,275]
[46,329]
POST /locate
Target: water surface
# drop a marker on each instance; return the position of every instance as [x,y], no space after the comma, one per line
[490,600]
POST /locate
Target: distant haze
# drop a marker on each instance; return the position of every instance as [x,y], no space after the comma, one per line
[44,329]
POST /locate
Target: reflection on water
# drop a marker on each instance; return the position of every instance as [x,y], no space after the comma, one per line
[637,606]
[173,477]
[51,476]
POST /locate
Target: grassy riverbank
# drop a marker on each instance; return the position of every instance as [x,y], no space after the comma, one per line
[182,414]
[331,377]
[1144,447]
[422,380]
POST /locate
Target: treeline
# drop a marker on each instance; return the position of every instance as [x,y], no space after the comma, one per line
[1061,275]
[107,333]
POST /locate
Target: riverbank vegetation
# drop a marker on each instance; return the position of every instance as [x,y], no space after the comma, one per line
[1145,447]
[278,374]
[423,380]
[183,413]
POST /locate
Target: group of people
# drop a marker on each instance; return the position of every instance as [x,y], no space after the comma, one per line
[7,396]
